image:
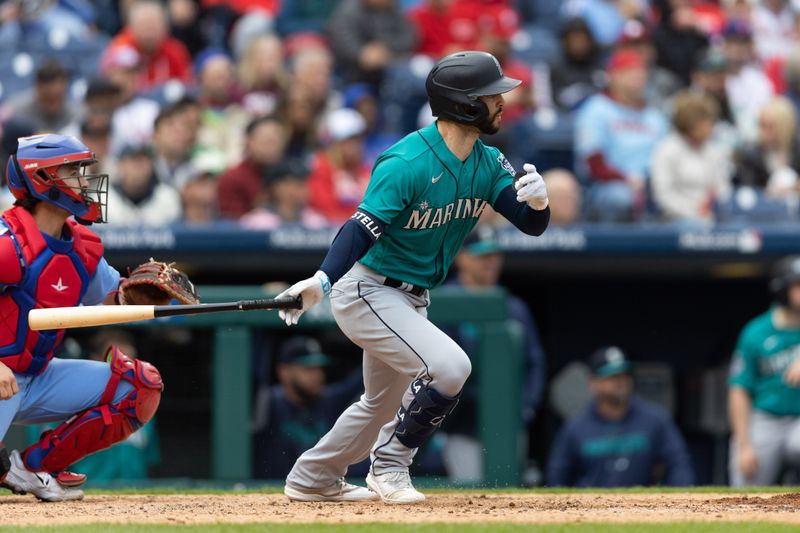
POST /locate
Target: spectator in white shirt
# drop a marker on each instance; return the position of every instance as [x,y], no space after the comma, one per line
[689,172]
[747,86]
[136,197]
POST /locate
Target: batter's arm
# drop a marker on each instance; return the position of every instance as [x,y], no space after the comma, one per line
[351,243]
[739,409]
[529,221]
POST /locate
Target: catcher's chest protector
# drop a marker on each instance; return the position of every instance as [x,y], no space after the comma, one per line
[99,427]
[54,275]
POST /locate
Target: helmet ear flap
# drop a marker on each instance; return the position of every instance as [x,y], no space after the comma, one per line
[16,178]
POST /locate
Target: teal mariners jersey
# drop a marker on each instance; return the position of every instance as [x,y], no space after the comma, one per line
[763,353]
[429,201]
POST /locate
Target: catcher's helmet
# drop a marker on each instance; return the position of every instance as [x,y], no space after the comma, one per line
[32,172]
[785,272]
[457,81]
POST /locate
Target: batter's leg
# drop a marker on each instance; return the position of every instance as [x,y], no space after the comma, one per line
[392,325]
[791,445]
[355,431]
[767,434]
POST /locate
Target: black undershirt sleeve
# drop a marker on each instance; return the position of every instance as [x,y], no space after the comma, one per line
[529,221]
[351,243]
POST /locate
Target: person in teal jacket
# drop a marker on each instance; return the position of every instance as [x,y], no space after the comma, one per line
[764,386]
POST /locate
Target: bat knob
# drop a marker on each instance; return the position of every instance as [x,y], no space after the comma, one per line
[298,301]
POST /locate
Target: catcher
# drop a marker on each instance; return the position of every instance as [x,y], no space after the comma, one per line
[50,258]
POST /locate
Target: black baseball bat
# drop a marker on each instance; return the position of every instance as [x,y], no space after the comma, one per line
[241,305]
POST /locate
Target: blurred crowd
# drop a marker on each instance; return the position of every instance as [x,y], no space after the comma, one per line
[268,112]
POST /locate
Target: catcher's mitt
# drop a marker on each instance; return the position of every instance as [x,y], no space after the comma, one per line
[157,283]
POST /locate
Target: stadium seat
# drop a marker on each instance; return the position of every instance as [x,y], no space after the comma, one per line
[655,383]
[540,11]
[535,43]
[403,94]
[546,138]
[81,58]
[747,205]
[17,71]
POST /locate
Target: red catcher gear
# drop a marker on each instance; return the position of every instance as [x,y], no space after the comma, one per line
[70,479]
[99,427]
[34,276]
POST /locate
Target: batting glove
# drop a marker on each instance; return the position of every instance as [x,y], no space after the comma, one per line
[531,188]
[313,290]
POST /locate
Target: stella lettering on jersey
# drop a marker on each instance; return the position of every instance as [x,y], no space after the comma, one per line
[426,217]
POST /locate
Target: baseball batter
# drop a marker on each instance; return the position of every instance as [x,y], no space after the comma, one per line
[764,386]
[425,195]
[50,259]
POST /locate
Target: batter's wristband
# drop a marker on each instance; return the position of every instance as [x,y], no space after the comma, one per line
[324,281]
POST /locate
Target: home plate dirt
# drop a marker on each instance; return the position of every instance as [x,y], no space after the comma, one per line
[440,507]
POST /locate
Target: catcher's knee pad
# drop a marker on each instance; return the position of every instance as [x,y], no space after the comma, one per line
[423,415]
[99,427]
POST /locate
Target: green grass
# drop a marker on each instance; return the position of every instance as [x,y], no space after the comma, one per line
[686,527]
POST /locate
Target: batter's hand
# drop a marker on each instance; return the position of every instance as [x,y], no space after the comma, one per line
[8,383]
[531,188]
[313,291]
[747,461]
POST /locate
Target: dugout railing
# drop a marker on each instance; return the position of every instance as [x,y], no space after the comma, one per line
[497,368]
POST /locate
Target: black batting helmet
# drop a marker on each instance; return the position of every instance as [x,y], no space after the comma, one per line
[785,272]
[457,81]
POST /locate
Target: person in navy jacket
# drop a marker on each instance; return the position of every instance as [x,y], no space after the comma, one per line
[620,440]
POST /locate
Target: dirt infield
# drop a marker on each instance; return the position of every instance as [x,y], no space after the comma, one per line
[441,507]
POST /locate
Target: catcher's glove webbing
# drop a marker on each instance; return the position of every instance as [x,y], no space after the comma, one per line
[157,283]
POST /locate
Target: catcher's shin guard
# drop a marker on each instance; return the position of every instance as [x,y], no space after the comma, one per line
[424,414]
[99,427]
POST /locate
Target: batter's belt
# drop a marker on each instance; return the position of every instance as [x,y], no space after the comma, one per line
[416,290]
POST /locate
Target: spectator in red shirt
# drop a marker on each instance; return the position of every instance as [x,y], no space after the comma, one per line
[432,21]
[244,6]
[447,26]
[339,175]
[495,39]
[241,188]
[164,58]
[288,194]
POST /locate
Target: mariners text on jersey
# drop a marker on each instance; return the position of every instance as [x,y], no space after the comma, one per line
[465,208]
[428,201]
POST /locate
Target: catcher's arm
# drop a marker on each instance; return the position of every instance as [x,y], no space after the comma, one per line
[113,297]
[156,283]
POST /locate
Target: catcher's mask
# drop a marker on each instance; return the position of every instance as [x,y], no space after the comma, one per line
[785,272]
[33,172]
[456,83]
